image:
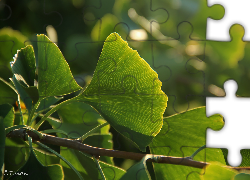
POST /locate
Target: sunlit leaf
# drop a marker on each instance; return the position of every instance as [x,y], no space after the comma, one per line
[128,97]
[54,75]
[24,64]
[217,171]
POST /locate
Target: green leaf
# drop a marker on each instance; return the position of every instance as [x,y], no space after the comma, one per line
[46,158]
[84,165]
[126,92]
[181,135]
[242,176]
[54,75]
[99,168]
[33,169]
[139,170]
[10,41]
[87,167]
[16,155]
[245,153]
[109,21]
[22,92]
[7,113]
[2,145]
[24,65]
[111,172]
[61,158]
[7,94]
[217,171]
[78,113]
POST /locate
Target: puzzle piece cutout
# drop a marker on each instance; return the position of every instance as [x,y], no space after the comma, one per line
[219,29]
[231,108]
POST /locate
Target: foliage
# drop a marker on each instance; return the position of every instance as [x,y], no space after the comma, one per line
[125,91]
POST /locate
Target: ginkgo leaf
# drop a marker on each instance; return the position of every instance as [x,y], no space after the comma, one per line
[217,171]
[54,75]
[126,91]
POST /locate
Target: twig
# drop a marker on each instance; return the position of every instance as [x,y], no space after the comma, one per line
[75,144]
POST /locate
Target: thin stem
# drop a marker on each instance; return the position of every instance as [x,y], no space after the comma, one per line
[19,107]
[37,114]
[33,110]
[197,151]
[54,109]
[54,131]
[92,131]
[18,98]
[61,157]
[1,79]
[99,168]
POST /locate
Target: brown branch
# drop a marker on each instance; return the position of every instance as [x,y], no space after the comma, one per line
[74,144]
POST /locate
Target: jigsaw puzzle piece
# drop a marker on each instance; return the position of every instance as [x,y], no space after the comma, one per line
[219,29]
[227,60]
[182,137]
[231,108]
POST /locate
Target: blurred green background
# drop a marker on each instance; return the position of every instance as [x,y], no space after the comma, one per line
[168,34]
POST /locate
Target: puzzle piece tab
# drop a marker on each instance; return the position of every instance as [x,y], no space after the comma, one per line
[235,110]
